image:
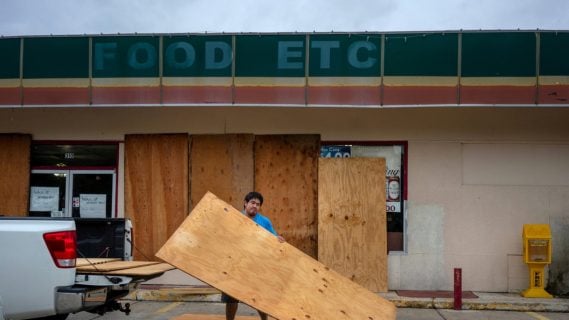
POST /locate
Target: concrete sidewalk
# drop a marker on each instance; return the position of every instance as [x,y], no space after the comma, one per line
[485,300]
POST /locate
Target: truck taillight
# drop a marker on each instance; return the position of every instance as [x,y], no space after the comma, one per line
[62,246]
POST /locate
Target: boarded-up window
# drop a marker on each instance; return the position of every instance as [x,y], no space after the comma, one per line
[15,177]
[352,232]
[286,170]
[156,188]
[223,165]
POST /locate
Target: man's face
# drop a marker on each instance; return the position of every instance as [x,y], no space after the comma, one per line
[252,207]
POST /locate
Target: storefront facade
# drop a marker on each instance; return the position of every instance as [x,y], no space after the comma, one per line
[474,125]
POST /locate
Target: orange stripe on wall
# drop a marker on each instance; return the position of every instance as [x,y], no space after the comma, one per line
[276,95]
[33,96]
[497,95]
[126,95]
[336,95]
[205,94]
[9,96]
[554,94]
[417,95]
[349,95]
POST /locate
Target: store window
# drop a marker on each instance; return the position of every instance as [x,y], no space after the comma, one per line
[395,179]
[73,180]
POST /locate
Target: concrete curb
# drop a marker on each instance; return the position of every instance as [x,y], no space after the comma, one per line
[496,306]
[485,300]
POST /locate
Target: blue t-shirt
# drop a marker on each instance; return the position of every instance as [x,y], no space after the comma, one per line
[263,222]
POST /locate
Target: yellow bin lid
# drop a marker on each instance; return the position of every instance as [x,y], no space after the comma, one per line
[539,231]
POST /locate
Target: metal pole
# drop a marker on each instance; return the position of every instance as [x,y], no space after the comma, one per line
[457,289]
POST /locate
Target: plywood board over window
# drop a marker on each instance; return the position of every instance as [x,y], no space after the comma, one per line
[156,188]
[15,177]
[220,246]
[286,170]
[352,231]
[223,165]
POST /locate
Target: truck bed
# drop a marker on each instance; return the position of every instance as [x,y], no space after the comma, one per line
[41,277]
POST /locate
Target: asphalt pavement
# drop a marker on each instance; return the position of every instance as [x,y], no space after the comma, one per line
[162,303]
[167,310]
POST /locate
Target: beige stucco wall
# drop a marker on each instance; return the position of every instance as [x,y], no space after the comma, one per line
[413,124]
[476,226]
[475,175]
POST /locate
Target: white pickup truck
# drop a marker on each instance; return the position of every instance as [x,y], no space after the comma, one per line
[40,275]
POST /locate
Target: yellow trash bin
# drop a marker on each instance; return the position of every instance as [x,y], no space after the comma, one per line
[537,254]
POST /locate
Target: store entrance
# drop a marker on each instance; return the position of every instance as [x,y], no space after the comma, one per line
[73,193]
[73,180]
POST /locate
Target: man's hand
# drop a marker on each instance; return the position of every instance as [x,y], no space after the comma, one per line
[281,239]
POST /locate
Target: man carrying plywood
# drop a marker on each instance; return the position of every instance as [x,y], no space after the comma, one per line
[222,247]
[252,203]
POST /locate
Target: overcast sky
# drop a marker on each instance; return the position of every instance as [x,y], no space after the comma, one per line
[64,17]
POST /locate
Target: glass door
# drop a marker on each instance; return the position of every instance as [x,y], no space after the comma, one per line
[48,193]
[73,193]
[92,193]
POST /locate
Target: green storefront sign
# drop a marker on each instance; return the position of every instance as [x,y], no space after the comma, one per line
[482,54]
[312,69]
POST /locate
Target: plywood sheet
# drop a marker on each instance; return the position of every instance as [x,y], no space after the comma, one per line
[15,177]
[213,317]
[352,231]
[115,265]
[223,165]
[286,172]
[189,290]
[93,261]
[141,271]
[220,246]
[156,188]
